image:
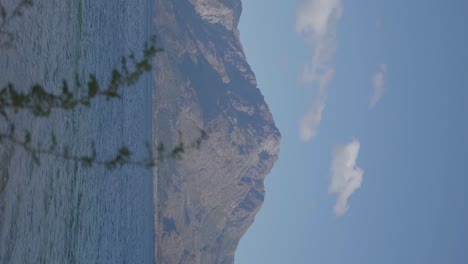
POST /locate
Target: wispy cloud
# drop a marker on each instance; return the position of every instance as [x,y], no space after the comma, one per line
[317,21]
[316,16]
[378,85]
[309,124]
[346,176]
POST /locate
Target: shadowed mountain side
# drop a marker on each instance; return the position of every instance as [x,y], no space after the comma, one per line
[208,200]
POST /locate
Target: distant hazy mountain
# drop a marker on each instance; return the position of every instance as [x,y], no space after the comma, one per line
[206,201]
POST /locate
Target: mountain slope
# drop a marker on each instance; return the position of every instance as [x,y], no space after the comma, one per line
[206,201]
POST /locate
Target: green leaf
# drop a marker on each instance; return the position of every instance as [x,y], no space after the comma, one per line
[93,86]
[178,151]
[116,76]
[124,151]
[87,161]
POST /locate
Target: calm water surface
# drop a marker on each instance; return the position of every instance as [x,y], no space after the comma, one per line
[60,212]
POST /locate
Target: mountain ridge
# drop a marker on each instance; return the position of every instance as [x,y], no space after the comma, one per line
[206,201]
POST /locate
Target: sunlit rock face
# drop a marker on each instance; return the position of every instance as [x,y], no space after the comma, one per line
[207,200]
[226,12]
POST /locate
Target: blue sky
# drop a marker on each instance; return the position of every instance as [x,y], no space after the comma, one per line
[371,99]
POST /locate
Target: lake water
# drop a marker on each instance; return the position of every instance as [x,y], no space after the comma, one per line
[59,211]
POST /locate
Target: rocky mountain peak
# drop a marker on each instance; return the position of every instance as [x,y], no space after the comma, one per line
[224,12]
[207,201]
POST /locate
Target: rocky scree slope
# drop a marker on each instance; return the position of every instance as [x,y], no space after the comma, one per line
[206,201]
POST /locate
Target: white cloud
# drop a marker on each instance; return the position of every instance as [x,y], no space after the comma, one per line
[378,85]
[309,124]
[346,176]
[315,16]
[317,20]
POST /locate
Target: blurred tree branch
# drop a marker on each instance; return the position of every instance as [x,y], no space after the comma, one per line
[40,102]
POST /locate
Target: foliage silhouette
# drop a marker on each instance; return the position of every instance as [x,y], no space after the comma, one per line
[40,103]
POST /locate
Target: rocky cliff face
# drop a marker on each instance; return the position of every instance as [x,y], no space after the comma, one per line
[206,201]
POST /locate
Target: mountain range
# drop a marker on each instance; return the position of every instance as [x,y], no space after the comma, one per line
[207,200]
